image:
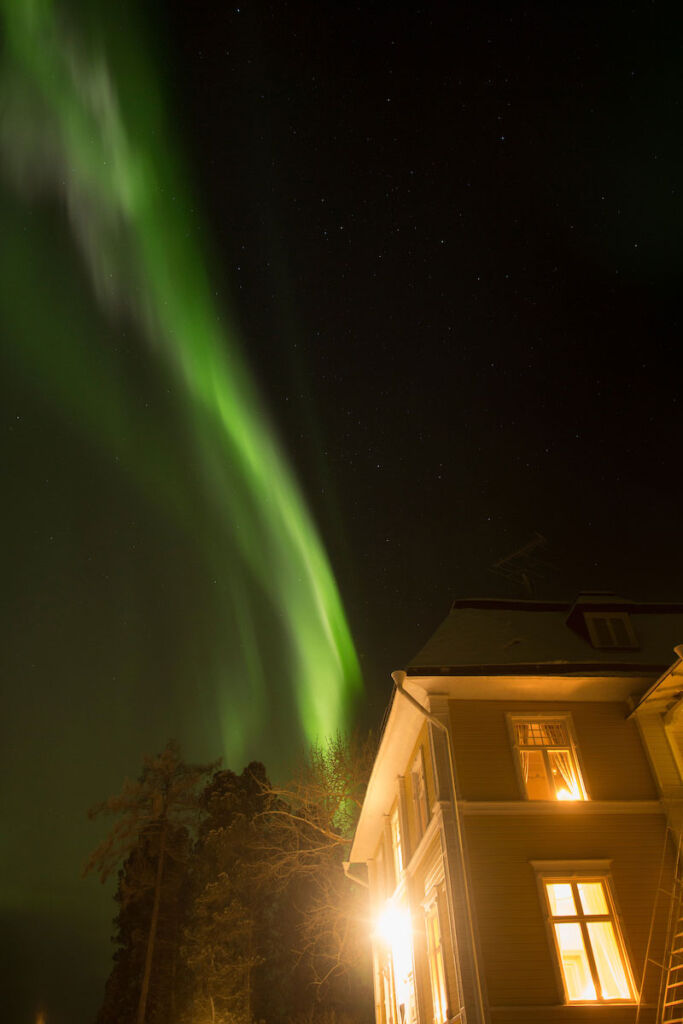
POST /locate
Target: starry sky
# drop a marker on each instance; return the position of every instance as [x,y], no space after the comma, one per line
[453,238]
[450,239]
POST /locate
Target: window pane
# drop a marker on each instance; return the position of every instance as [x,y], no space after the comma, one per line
[561,899]
[593,898]
[396,844]
[565,778]
[613,983]
[602,632]
[541,734]
[436,966]
[621,637]
[535,775]
[577,975]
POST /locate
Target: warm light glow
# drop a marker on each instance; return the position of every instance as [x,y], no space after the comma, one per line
[436,965]
[613,983]
[393,926]
[592,930]
[575,967]
[564,794]
[561,899]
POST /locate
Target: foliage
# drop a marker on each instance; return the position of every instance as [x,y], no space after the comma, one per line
[222,935]
[310,824]
[233,903]
[155,818]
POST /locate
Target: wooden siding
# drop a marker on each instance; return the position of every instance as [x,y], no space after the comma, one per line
[611,755]
[517,958]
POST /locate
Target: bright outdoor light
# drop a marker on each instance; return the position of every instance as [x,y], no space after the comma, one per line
[392,924]
[393,927]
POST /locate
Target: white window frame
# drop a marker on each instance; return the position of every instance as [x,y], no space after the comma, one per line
[571,873]
[514,717]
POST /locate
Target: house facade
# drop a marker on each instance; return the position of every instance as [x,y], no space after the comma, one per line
[519,828]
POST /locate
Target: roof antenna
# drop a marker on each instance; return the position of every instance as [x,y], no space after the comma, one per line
[523,568]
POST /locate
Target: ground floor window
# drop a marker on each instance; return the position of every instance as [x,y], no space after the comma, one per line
[395,936]
[587,939]
[435,955]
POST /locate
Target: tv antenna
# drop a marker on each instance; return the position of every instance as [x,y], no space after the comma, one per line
[523,568]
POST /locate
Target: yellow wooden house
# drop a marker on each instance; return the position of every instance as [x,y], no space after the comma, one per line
[520,829]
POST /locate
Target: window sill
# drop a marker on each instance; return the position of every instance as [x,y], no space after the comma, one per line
[561,807]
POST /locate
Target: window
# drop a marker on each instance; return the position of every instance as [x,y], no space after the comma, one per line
[420,801]
[547,758]
[437,972]
[394,936]
[589,947]
[396,844]
[611,630]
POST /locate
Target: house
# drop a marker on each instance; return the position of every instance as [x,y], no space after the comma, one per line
[519,827]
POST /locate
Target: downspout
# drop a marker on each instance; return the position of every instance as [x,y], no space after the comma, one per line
[349,874]
[399,679]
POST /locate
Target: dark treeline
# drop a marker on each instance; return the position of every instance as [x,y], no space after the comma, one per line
[233,907]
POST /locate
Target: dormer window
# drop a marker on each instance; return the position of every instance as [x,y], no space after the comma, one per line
[611,629]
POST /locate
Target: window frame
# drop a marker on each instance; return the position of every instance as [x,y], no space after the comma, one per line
[623,617]
[435,956]
[397,842]
[420,794]
[515,717]
[572,874]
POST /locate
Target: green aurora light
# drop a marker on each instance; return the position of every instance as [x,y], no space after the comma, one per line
[82,120]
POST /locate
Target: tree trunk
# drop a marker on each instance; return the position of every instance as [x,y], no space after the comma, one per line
[151,938]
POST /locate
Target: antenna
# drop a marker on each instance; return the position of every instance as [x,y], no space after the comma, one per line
[523,568]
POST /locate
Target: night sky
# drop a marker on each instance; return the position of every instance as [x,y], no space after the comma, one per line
[450,239]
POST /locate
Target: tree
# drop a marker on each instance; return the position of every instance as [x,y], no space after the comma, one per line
[225,938]
[157,815]
[310,824]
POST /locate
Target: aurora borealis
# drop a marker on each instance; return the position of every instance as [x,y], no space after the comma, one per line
[68,129]
[144,374]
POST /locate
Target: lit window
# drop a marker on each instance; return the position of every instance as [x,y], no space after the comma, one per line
[396,844]
[420,801]
[394,936]
[547,758]
[590,951]
[437,973]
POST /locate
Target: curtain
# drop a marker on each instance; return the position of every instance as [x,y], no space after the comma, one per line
[563,765]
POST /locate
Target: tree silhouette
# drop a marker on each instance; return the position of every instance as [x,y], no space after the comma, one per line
[157,814]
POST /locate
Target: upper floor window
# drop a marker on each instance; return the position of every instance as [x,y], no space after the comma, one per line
[396,843]
[589,947]
[420,800]
[547,757]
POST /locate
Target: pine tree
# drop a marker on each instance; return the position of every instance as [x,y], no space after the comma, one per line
[225,939]
[157,816]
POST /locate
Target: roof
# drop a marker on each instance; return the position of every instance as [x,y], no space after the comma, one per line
[499,643]
[491,636]
[668,689]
